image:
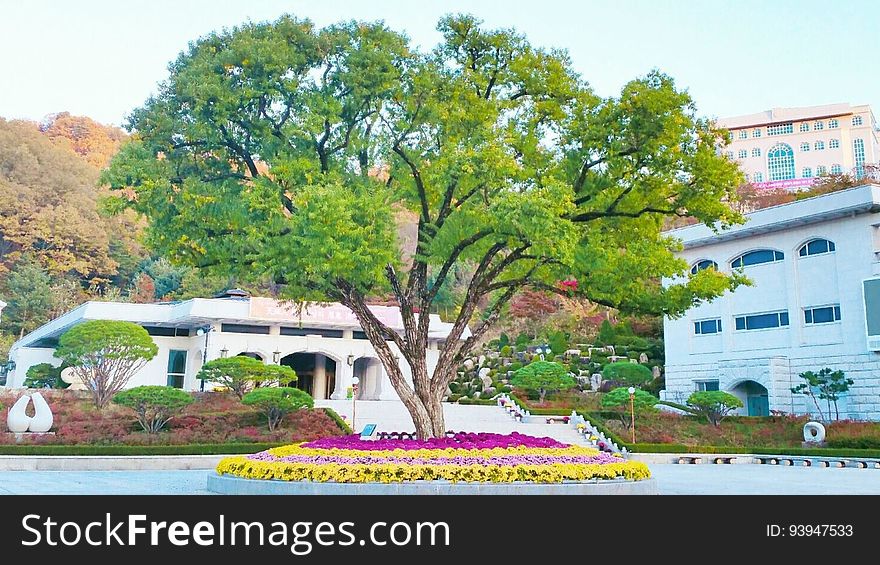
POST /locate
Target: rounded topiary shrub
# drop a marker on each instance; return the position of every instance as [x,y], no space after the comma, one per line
[277,402]
[630,373]
[154,406]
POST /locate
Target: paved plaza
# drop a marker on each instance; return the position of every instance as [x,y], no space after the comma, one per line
[671,479]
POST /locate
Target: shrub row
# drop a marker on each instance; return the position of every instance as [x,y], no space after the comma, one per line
[477,401]
[133,450]
[331,413]
[855,443]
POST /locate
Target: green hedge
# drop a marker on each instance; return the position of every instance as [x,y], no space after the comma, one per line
[338,419]
[478,401]
[191,449]
[854,443]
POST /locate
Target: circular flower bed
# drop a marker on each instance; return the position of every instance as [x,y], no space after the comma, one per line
[464,457]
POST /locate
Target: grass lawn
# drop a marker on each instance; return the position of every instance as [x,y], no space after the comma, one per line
[213,418]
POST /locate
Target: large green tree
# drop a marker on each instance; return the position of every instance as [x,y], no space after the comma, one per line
[28,292]
[285,151]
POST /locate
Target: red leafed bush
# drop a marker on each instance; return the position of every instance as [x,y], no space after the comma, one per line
[212,418]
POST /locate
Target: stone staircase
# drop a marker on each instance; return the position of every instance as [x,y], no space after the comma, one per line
[392,416]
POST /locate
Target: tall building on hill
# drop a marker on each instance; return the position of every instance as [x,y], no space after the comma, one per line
[788,148]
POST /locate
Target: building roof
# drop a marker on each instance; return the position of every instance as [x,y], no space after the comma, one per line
[782,115]
[199,312]
[859,200]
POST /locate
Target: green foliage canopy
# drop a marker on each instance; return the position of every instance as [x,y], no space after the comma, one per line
[543,376]
[715,405]
[624,371]
[618,400]
[277,402]
[105,354]
[44,375]
[241,374]
[154,406]
[283,151]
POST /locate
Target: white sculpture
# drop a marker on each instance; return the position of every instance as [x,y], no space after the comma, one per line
[42,420]
[69,376]
[17,421]
[814,432]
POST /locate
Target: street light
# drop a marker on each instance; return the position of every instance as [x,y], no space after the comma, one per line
[632,412]
[350,360]
[354,394]
[223,353]
[204,331]
[276,357]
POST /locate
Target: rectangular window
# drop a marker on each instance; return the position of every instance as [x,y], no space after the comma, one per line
[859,155]
[176,368]
[834,144]
[743,153]
[780,129]
[244,329]
[821,170]
[833,124]
[762,321]
[743,134]
[819,125]
[358,335]
[759,177]
[807,173]
[822,314]
[311,331]
[707,327]
[756,152]
[703,386]
[756,132]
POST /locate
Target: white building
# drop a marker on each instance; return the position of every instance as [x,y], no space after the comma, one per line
[324,344]
[814,303]
[788,148]
[2,306]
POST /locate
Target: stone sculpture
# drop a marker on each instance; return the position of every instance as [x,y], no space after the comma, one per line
[814,433]
[17,421]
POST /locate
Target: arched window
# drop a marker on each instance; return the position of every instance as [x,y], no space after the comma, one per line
[836,169]
[820,145]
[816,247]
[780,162]
[757,257]
[703,265]
[818,125]
[857,120]
[805,146]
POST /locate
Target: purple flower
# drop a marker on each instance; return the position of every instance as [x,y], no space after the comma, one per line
[460,440]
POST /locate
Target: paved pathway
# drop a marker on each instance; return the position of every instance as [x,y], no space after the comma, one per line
[671,479]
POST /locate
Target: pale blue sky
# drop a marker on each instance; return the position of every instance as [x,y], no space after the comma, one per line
[101,58]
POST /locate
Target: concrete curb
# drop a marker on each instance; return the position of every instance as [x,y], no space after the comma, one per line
[747,459]
[109,462]
[225,484]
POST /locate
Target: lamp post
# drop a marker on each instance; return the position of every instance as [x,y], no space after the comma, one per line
[354,394]
[632,412]
[205,331]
